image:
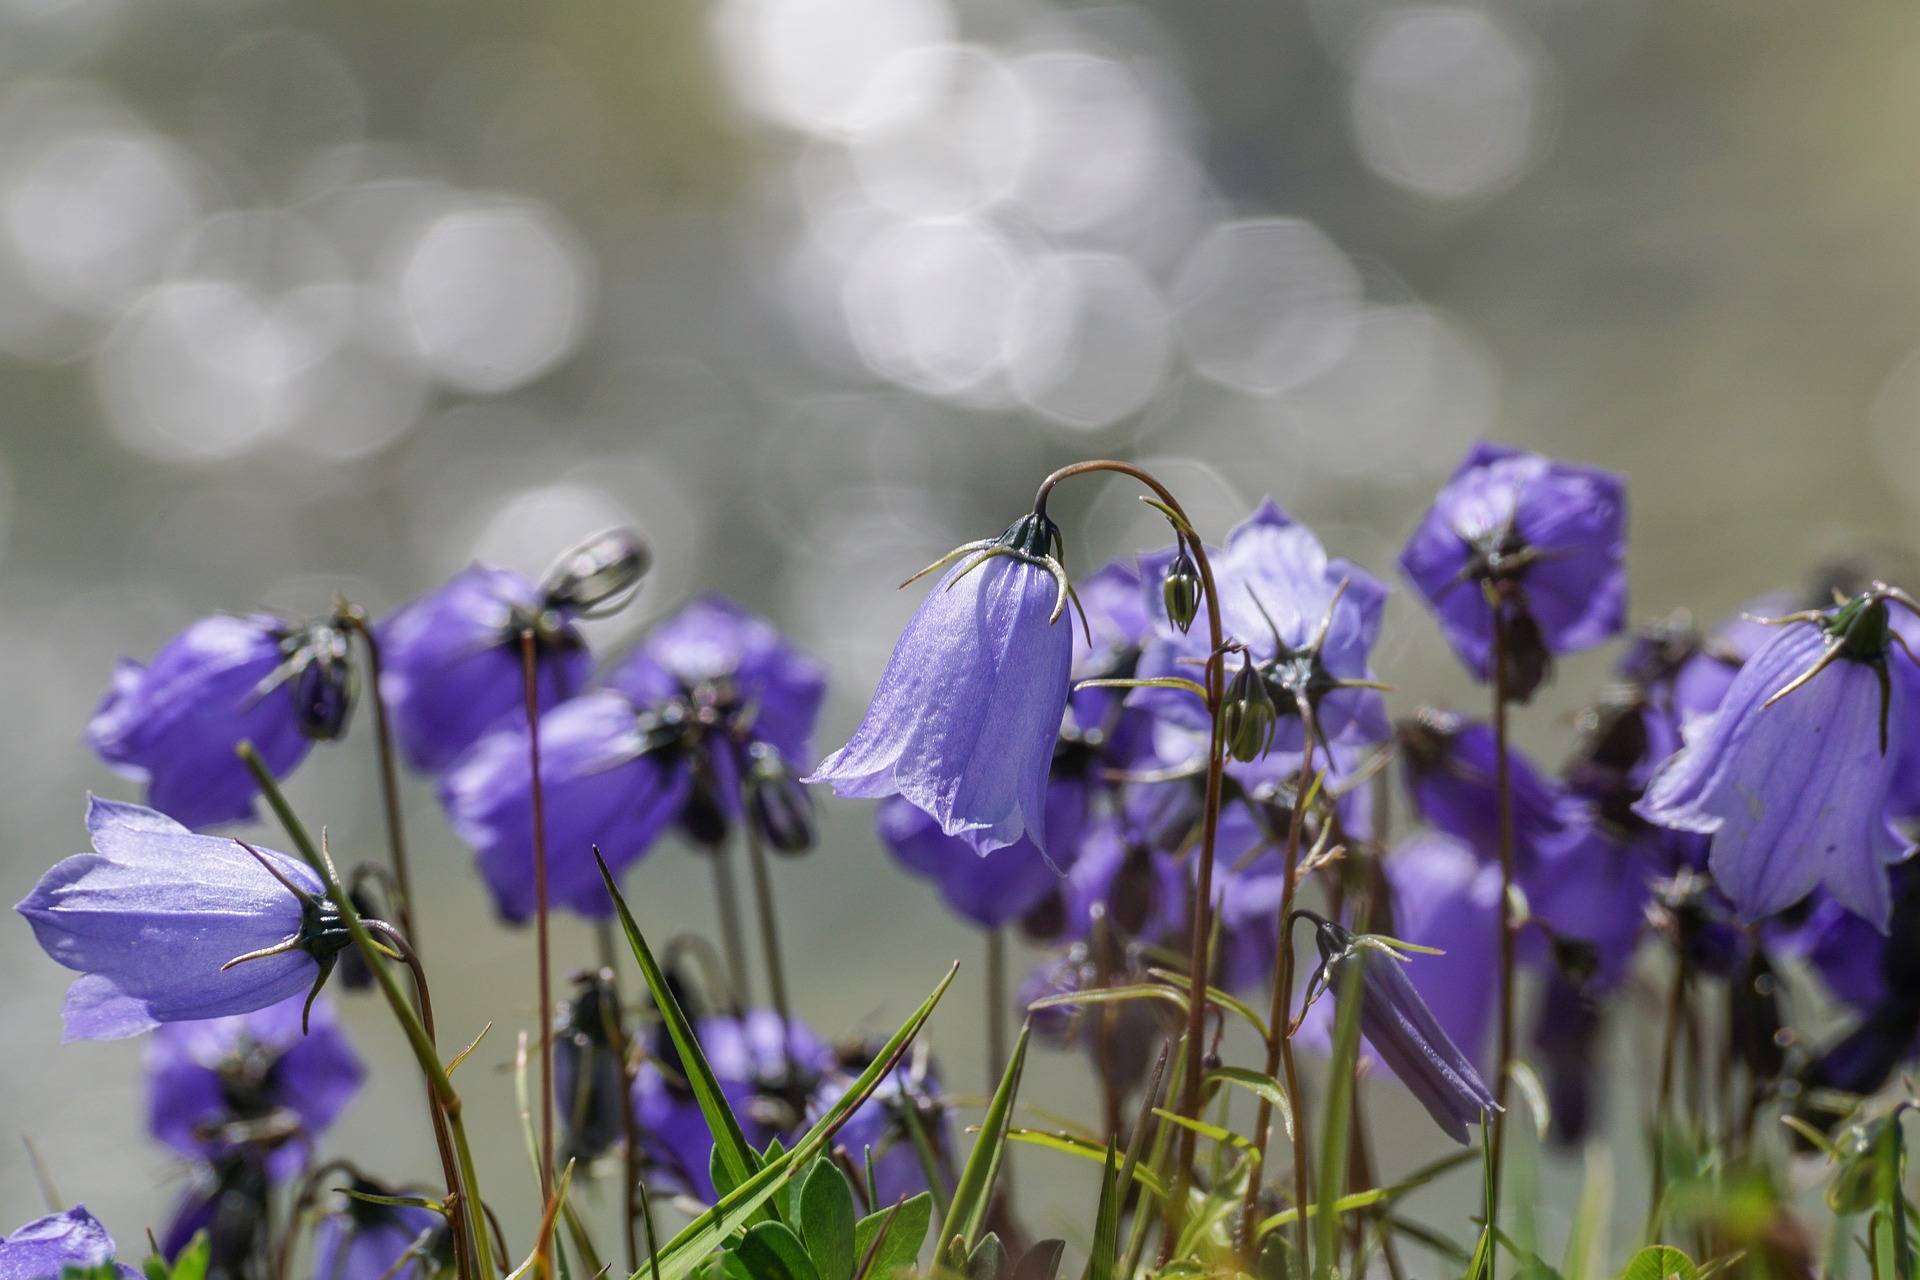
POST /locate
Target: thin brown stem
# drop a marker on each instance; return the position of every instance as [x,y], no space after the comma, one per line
[356,618]
[1202,928]
[1279,1034]
[1503,791]
[530,675]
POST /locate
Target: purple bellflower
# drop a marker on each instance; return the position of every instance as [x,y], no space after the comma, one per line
[255,1082]
[1402,1030]
[44,1248]
[167,926]
[994,888]
[1450,769]
[879,1134]
[965,718]
[1543,541]
[451,665]
[1791,777]
[686,728]
[378,1241]
[1308,621]
[174,723]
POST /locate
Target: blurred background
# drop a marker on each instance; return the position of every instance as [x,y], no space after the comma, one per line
[298,298]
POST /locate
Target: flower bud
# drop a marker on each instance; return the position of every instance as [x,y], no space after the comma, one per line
[1248,717]
[778,804]
[1180,588]
[323,685]
[599,570]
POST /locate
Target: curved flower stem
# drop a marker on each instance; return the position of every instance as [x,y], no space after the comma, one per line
[463,1182]
[1202,929]
[1503,791]
[355,618]
[530,678]
[1279,1029]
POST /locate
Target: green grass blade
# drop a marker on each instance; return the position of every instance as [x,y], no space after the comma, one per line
[967,1211]
[732,1152]
[1106,1224]
[1337,1127]
[1067,1144]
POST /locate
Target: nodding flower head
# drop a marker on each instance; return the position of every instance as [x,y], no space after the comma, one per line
[1793,774]
[1538,544]
[966,715]
[453,666]
[168,926]
[174,722]
[1400,1027]
[1248,718]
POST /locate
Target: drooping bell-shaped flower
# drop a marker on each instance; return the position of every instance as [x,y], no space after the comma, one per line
[379,1241]
[174,722]
[966,715]
[1308,622]
[168,926]
[46,1247]
[1791,776]
[589,1080]
[258,1082]
[1402,1030]
[1544,541]
[604,781]
[453,662]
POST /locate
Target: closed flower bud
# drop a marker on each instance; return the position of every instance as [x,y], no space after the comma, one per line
[1180,588]
[778,803]
[1249,715]
[598,571]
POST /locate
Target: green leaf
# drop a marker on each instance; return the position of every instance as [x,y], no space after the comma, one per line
[826,1221]
[1259,1085]
[967,1211]
[1106,1224]
[1660,1262]
[192,1262]
[988,1261]
[772,1252]
[904,1235]
[1042,1261]
[732,1153]
[1892,1246]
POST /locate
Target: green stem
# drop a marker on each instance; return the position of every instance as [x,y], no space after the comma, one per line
[530,679]
[465,1180]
